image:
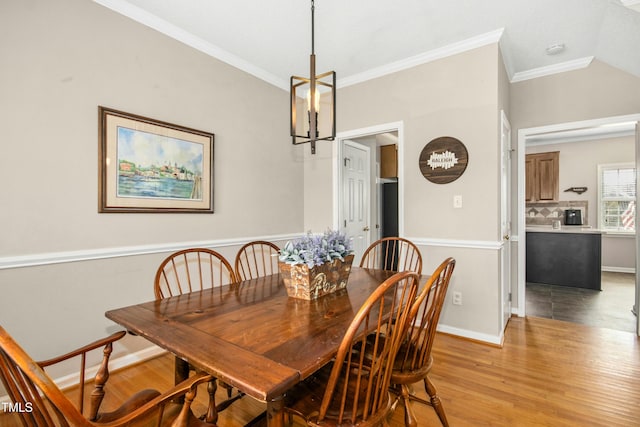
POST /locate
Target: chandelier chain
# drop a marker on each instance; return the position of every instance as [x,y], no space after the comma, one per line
[313,50]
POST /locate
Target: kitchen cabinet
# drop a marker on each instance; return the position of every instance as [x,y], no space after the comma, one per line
[541,177]
[565,258]
[388,161]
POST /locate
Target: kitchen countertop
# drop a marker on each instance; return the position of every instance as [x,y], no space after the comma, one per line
[563,229]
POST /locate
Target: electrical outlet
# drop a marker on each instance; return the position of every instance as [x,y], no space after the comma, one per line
[457,202]
[457,298]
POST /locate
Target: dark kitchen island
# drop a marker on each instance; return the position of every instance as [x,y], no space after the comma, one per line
[570,256]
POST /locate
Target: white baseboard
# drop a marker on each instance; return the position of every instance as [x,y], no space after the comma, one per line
[476,336]
[114,364]
[619,269]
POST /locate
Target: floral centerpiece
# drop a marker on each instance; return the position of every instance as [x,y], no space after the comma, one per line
[316,265]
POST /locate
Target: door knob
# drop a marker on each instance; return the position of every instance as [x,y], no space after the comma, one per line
[505,237]
[366,228]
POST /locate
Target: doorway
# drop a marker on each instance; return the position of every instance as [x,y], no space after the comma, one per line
[384,198]
[611,124]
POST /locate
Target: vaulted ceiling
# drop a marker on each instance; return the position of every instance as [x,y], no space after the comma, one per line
[361,39]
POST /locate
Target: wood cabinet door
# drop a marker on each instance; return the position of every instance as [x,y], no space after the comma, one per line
[541,177]
[389,161]
[530,179]
[548,190]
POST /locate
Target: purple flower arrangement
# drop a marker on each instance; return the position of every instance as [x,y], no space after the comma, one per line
[316,249]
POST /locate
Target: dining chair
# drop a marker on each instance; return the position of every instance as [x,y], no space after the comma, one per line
[191,270]
[256,259]
[394,254]
[38,402]
[350,390]
[414,359]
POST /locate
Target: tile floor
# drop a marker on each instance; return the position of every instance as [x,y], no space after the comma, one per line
[609,308]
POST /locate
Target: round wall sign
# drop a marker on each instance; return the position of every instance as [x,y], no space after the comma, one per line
[443,160]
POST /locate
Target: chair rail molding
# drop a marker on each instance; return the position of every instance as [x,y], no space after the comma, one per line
[452,243]
[33,260]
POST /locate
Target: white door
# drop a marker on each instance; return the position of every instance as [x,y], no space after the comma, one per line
[505,218]
[356,179]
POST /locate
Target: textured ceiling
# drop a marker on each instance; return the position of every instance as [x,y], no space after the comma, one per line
[360,39]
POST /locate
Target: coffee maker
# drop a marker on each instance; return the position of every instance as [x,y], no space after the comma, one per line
[572,217]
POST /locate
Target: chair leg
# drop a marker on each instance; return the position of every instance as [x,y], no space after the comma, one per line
[435,401]
[211,416]
[410,419]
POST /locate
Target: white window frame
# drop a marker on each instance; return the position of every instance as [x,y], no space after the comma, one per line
[601,169]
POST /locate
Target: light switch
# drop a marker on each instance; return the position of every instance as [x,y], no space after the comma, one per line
[457,202]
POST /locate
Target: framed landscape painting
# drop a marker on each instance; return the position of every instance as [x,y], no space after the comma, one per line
[147,165]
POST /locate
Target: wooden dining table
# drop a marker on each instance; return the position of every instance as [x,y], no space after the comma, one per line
[250,334]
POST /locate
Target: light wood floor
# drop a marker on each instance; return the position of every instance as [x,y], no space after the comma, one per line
[549,373]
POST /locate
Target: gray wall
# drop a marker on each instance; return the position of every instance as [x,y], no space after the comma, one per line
[63,59]
[456,96]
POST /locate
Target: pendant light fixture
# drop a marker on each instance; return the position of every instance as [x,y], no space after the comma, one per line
[306,94]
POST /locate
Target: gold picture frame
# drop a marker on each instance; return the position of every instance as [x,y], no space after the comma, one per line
[150,166]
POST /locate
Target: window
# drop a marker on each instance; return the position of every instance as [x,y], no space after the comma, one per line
[617,197]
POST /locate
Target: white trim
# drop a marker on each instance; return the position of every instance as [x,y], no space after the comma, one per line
[616,234]
[177,33]
[601,167]
[618,269]
[105,253]
[153,21]
[450,243]
[582,124]
[423,58]
[576,64]
[632,4]
[523,134]
[150,20]
[465,333]
[337,154]
[593,133]
[114,364]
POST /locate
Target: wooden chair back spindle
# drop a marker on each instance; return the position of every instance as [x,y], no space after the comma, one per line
[38,402]
[192,270]
[393,254]
[355,388]
[187,271]
[256,259]
[414,360]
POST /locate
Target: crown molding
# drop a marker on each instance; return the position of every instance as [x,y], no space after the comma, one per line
[632,4]
[423,58]
[576,64]
[152,21]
